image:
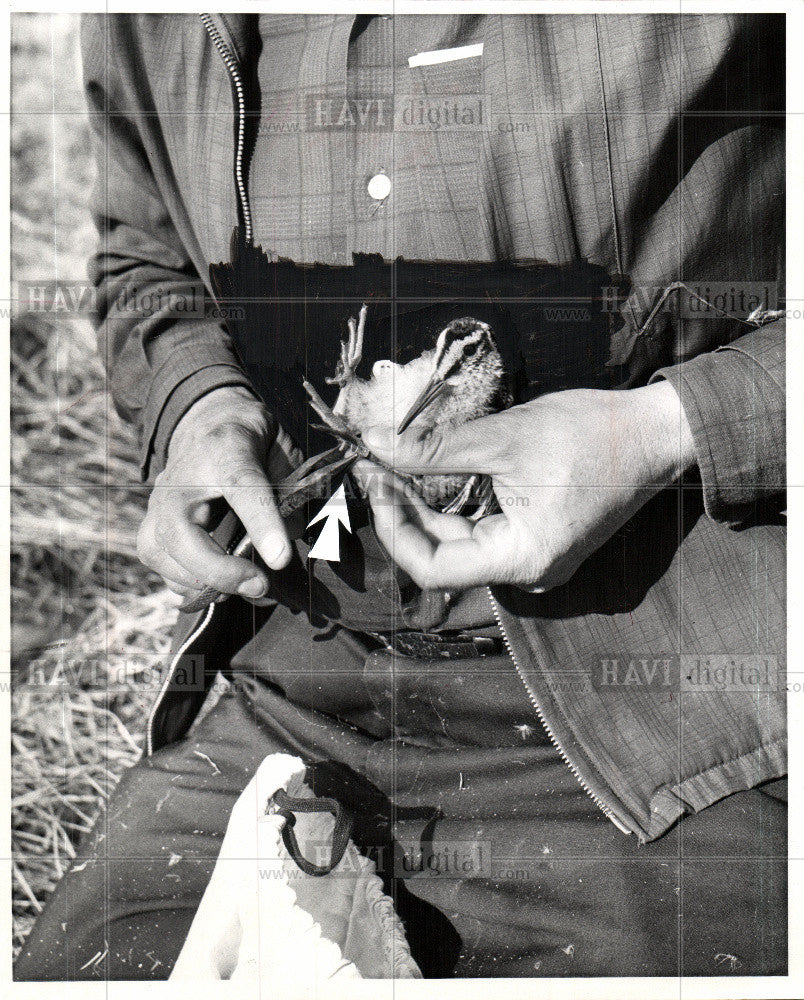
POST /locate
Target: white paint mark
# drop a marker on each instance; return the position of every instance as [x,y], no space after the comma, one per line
[209,761]
[333,513]
[436,56]
[157,963]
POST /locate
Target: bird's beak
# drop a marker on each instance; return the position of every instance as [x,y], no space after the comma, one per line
[431,391]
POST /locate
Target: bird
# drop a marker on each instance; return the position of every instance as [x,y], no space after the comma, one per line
[460,379]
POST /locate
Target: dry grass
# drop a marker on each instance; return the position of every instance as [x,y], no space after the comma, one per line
[89,625]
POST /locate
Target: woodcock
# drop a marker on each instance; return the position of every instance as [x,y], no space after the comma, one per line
[460,379]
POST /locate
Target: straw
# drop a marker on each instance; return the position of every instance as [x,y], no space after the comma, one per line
[89,625]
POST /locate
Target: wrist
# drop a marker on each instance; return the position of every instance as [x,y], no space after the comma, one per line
[223,405]
[663,426]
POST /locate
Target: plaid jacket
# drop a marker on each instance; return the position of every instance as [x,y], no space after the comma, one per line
[652,145]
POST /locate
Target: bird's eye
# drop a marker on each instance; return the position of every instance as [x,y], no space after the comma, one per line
[469,350]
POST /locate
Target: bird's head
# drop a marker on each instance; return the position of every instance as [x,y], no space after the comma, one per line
[466,358]
[463,345]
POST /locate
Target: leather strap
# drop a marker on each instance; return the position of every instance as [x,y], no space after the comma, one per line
[288,805]
[439,646]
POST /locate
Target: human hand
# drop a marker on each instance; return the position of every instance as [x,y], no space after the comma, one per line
[226,446]
[568,469]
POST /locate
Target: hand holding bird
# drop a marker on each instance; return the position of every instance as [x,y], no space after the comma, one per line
[460,379]
[217,451]
[568,470]
[227,446]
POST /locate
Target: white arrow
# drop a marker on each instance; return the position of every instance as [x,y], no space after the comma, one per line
[336,512]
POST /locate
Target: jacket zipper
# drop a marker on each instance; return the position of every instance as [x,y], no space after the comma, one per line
[198,629]
[230,62]
[233,69]
[607,812]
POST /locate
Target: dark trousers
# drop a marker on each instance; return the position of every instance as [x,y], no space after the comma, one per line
[499,863]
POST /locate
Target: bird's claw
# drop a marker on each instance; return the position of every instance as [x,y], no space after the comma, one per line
[477,488]
[351,350]
[349,442]
[331,419]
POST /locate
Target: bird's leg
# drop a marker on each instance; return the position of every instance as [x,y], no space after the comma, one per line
[356,332]
[489,504]
[338,427]
[458,502]
[342,373]
[351,350]
[335,423]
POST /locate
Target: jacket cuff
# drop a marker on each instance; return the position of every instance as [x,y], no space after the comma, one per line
[735,407]
[160,423]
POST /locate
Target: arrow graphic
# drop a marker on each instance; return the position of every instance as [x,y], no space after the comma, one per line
[335,511]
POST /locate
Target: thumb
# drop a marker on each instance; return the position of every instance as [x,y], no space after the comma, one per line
[468,448]
[251,496]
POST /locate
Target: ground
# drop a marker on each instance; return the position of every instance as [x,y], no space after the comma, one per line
[89,625]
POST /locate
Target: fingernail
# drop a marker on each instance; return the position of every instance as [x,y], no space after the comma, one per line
[273,554]
[254,587]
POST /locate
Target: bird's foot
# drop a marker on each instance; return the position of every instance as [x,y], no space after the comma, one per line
[477,490]
[331,419]
[351,350]
[458,502]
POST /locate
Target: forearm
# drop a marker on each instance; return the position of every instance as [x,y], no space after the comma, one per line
[661,445]
[161,347]
[158,362]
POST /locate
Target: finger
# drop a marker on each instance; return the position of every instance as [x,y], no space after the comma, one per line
[386,490]
[183,592]
[179,579]
[380,485]
[488,553]
[458,563]
[199,555]
[475,446]
[154,541]
[370,475]
[441,527]
[251,496]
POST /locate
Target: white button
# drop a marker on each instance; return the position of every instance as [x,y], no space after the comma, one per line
[379,187]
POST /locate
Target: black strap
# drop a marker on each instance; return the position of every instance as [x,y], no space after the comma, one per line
[288,805]
[440,645]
